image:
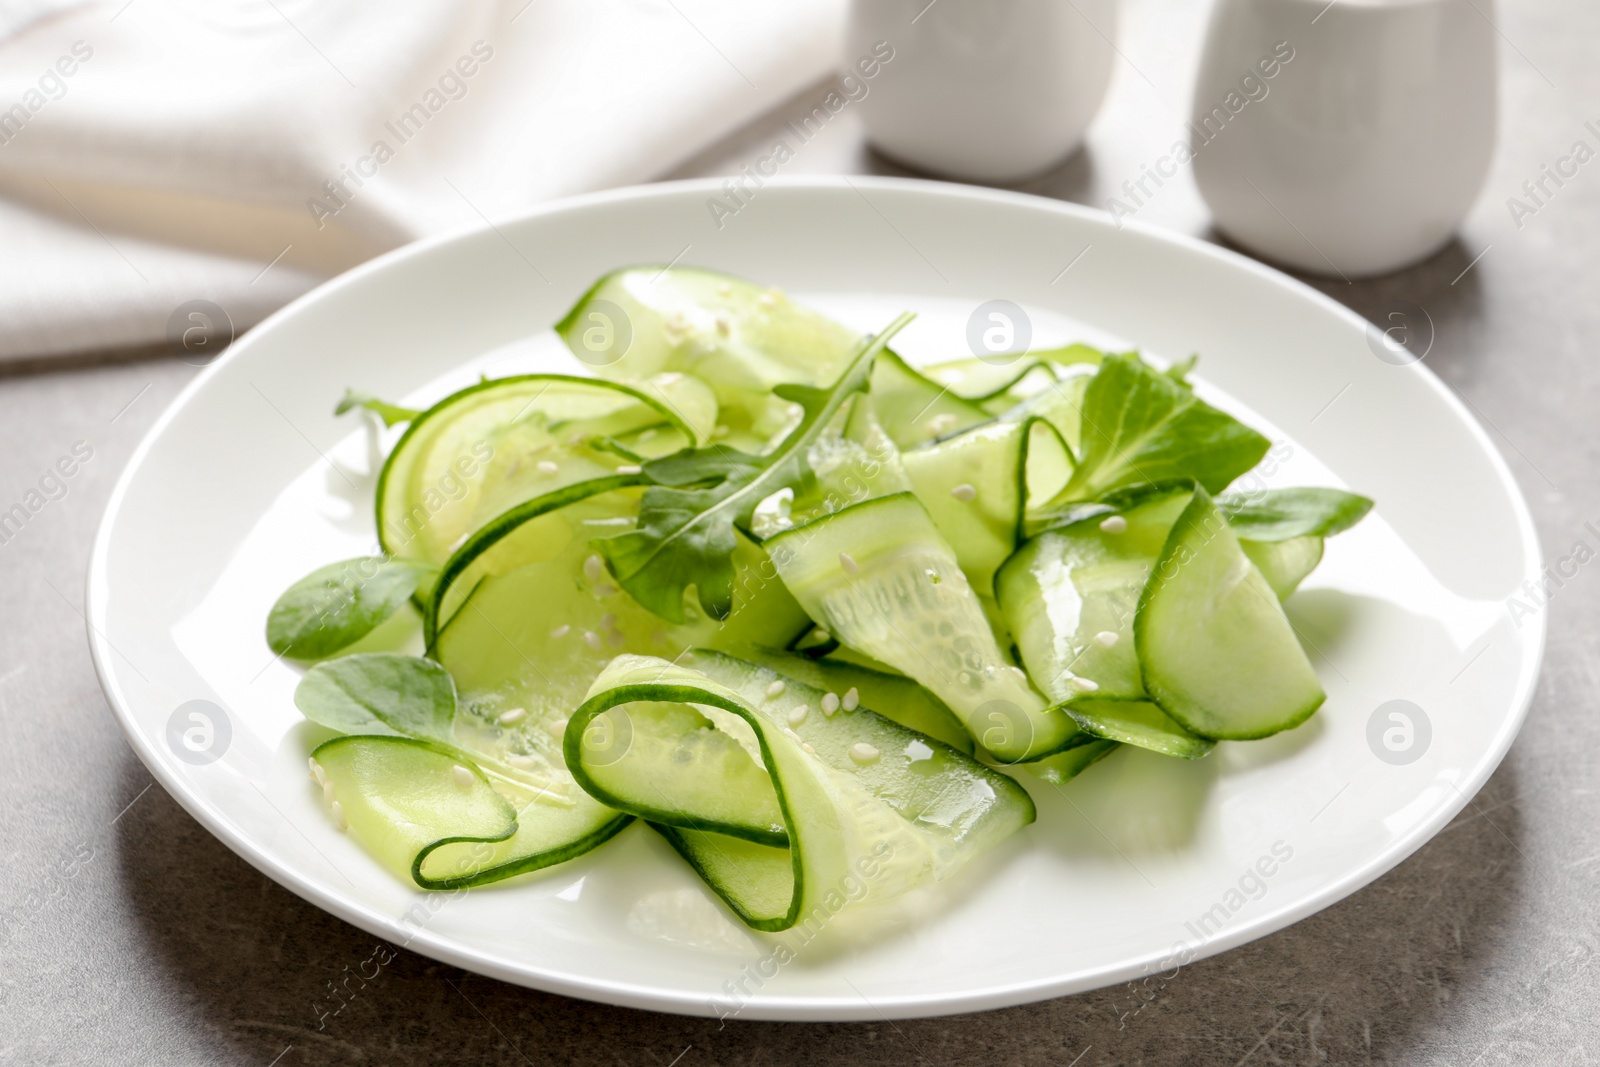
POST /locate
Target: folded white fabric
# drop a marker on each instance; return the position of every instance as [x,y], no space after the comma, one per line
[154,152]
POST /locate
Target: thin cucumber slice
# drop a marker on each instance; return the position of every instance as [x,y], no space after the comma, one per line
[1217,651]
[894,696]
[390,694]
[914,409]
[867,808]
[975,486]
[1284,564]
[1070,762]
[1060,403]
[740,338]
[404,799]
[1069,597]
[1140,723]
[494,445]
[880,578]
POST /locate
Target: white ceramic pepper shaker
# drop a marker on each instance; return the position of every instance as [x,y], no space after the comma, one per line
[983,90]
[1366,147]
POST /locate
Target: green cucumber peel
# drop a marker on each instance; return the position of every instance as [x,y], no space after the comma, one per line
[685,533]
[335,606]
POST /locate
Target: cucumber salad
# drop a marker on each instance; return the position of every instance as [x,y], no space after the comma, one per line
[810,614]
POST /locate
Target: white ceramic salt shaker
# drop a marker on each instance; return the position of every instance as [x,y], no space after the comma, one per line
[983,90]
[1366,146]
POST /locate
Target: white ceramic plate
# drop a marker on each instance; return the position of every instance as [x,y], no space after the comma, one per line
[249,481]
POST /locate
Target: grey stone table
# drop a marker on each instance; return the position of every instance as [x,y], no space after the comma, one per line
[132,936]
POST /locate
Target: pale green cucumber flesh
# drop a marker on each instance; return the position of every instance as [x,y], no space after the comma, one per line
[1139,723]
[1069,597]
[880,578]
[1284,564]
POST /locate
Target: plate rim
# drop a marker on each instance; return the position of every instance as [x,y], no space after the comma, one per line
[773,1007]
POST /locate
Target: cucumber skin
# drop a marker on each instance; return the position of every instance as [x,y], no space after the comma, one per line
[1162,695]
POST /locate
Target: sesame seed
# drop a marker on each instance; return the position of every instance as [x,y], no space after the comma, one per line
[766,300]
[616,638]
[1107,638]
[862,752]
[724,327]
[720,430]
[965,493]
[821,635]
[547,467]
[561,631]
[830,703]
[798,715]
[327,791]
[630,468]
[605,589]
[522,762]
[724,289]
[848,563]
[1114,525]
[557,727]
[461,776]
[592,639]
[513,716]
[337,811]
[776,688]
[608,621]
[316,772]
[665,380]
[852,699]
[940,423]
[593,568]
[808,747]
[1086,685]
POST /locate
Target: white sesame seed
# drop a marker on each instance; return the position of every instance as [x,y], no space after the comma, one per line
[608,621]
[557,727]
[776,688]
[1085,684]
[852,699]
[512,716]
[940,423]
[561,631]
[798,715]
[592,639]
[616,639]
[665,380]
[605,589]
[1107,638]
[965,493]
[1114,525]
[547,467]
[630,468]
[830,703]
[766,300]
[337,810]
[461,776]
[724,327]
[724,289]
[521,762]
[862,752]
[327,791]
[594,567]
[848,563]
[316,772]
[821,635]
[720,430]
[808,747]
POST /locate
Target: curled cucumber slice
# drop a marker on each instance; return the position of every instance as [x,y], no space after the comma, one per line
[1218,653]
[785,809]
[494,445]
[879,577]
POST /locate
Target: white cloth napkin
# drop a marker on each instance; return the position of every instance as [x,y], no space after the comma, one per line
[154,152]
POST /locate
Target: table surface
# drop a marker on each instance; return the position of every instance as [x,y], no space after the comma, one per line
[130,935]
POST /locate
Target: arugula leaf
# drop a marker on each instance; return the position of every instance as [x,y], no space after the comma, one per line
[685,535]
[389,413]
[1142,427]
[337,605]
[380,693]
[1281,514]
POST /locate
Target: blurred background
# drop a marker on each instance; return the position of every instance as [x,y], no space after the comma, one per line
[172,171]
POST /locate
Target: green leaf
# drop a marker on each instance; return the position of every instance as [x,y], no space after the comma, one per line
[1141,427]
[685,534]
[380,693]
[1282,514]
[389,413]
[337,605]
